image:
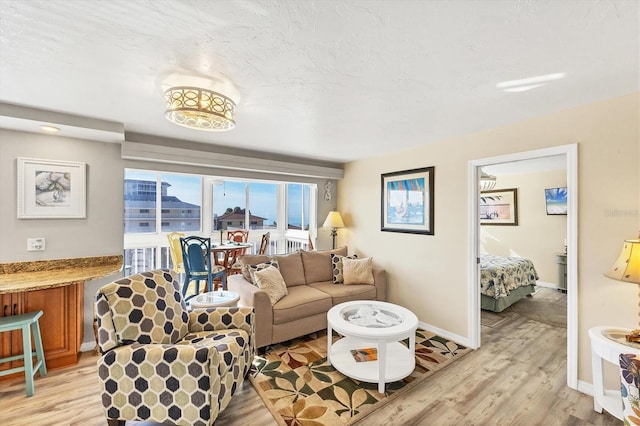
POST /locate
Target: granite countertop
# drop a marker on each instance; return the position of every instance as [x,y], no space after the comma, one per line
[39,275]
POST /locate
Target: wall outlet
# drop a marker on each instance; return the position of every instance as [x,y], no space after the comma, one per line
[35,244]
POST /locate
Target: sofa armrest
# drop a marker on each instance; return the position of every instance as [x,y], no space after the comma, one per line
[380,279]
[253,297]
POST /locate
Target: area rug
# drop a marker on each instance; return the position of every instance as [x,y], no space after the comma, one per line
[300,388]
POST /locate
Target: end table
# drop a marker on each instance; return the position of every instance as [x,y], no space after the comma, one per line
[607,343]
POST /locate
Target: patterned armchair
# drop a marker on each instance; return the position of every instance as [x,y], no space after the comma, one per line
[162,363]
[629,384]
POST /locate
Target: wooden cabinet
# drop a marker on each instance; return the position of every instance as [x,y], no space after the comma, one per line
[60,325]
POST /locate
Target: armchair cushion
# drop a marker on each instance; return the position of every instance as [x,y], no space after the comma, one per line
[144,308]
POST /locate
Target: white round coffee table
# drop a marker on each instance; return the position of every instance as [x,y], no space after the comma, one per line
[214,299]
[370,324]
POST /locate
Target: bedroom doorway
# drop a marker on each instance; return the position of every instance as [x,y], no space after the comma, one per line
[570,154]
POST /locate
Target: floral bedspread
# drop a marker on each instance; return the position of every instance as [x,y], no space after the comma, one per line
[499,275]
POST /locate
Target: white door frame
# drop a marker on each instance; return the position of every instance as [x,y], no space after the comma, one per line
[571,152]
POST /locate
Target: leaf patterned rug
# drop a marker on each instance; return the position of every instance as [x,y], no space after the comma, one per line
[300,388]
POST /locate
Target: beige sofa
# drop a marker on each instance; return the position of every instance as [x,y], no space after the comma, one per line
[311,293]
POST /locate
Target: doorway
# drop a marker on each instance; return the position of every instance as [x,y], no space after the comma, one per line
[570,151]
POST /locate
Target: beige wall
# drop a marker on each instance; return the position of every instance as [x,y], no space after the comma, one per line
[538,236]
[428,274]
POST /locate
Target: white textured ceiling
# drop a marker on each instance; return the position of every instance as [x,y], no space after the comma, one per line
[329,80]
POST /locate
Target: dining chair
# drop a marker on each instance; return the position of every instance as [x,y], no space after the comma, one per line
[175,251]
[264,243]
[239,235]
[226,258]
[310,244]
[196,256]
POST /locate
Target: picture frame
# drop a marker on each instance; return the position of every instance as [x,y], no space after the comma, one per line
[407,201]
[50,189]
[499,207]
[556,201]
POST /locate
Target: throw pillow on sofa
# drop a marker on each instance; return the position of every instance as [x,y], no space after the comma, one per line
[337,267]
[270,280]
[358,271]
[249,270]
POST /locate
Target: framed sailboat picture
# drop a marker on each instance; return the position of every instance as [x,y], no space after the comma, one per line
[407,201]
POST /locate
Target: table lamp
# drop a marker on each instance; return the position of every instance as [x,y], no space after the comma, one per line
[627,269]
[333,221]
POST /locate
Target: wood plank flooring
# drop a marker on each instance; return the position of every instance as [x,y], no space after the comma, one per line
[518,377]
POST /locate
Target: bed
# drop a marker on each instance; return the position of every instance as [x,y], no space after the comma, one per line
[504,281]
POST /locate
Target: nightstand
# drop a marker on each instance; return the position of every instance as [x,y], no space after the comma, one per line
[607,343]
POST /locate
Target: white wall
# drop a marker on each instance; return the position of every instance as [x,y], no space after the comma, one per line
[428,274]
[538,236]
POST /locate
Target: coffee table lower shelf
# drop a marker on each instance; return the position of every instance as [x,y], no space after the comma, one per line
[399,363]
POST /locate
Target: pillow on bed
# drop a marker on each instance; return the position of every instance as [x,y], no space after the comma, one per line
[337,267]
[358,271]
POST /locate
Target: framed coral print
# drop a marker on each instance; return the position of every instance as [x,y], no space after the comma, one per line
[499,207]
[51,189]
[407,201]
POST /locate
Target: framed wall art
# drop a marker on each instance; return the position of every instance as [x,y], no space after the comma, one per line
[407,201]
[499,207]
[556,201]
[51,189]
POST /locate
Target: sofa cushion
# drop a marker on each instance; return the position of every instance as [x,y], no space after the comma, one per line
[270,280]
[249,270]
[337,267]
[358,271]
[317,264]
[301,301]
[346,293]
[291,268]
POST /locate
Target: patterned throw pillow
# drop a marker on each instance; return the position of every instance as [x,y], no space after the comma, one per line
[270,280]
[358,271]
[249,270]
[336,266]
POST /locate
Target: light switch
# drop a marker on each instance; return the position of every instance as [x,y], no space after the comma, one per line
[35,244]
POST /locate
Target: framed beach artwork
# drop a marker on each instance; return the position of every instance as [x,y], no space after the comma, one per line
[51,189]
[499,207]
[556,201]
[407,201]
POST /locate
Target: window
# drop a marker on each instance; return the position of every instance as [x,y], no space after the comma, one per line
[144,210]
[143,224]
[229,203]
[298,206]
[139,201]
[263,205]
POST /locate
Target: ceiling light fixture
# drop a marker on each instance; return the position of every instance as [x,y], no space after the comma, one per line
[200,109]
[49,128]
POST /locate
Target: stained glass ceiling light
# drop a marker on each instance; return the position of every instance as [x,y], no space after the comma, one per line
[199,109]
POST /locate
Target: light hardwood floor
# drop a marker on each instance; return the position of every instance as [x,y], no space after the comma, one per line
[518,377]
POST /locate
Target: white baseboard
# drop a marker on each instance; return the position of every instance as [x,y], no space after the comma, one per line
[87,346]
[446,334]
[584,387]
[548,285]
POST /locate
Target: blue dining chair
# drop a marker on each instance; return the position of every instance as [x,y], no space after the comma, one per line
[196,255]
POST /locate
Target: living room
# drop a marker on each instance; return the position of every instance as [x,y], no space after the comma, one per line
[427,274]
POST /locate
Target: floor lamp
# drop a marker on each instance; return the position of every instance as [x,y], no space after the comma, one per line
[627,269]
[333,221]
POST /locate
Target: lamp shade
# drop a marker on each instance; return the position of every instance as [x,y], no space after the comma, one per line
[333,220]
[627,266]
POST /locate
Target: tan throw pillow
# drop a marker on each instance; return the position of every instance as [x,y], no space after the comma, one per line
[270,280]
[249,270]
[357,271]
[337,267]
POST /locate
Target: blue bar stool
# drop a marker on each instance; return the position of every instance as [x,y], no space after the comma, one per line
[24,322]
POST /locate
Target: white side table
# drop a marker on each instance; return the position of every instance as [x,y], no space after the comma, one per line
[607,343]
[214,299]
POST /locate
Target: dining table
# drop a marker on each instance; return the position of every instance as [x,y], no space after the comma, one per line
[226,253]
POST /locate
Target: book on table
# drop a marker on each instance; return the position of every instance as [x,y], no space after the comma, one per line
[365,354]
